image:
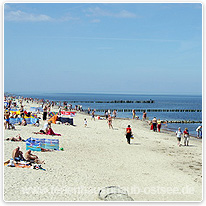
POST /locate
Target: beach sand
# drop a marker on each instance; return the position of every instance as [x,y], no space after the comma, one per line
[152,168]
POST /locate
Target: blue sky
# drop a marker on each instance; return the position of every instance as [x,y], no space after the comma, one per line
[103,48]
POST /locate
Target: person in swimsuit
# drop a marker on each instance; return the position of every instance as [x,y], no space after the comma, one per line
[93,117]
[32,158]
[17,155]
[110,121]
[6,116]
[144,116]
[133,114]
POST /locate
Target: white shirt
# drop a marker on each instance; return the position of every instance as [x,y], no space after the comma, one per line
[178,133]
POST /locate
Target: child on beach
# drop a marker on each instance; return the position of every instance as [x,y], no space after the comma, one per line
[110,122]
[85,122]
[186,137]
[179,134]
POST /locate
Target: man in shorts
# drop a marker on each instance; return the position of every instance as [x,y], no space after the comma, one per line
[17,155]
[179,134]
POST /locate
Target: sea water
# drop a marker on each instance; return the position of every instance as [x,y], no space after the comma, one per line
[181,102]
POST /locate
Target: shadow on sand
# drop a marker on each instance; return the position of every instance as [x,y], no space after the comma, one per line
[135,143]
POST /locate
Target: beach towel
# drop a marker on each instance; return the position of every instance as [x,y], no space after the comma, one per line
[19,165]
[22,165]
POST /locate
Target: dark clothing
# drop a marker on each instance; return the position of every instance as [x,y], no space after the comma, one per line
[154,127]
[44,115]
[128,136]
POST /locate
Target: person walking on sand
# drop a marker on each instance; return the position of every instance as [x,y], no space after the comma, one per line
[186,137]
[110,121]
[128,133]
[199,132]
[158,125]
[133,114]
[154,123]
[93,117]
[179,134]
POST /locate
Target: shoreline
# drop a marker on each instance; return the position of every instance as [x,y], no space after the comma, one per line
[162,129]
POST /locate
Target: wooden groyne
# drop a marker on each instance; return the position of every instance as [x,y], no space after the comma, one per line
[150,110]
[112,102]
[184,121]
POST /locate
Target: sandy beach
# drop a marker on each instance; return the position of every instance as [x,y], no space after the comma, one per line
[152,168]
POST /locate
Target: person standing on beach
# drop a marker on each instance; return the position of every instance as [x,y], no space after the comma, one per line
[45,113]
[110,122]
[106,114]
[144,116]
[128,133]
[133,114]
[6,116]
[199,132]
[93,117]
[179,134]
[154,123]
[186,137]
[158,125]
[114,114]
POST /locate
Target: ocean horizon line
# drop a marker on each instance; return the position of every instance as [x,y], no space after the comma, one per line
[106,93]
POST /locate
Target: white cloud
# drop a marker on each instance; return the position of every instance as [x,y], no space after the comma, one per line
[99,12]
[67,17]
[26,17]
[20,16]
[95,21]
